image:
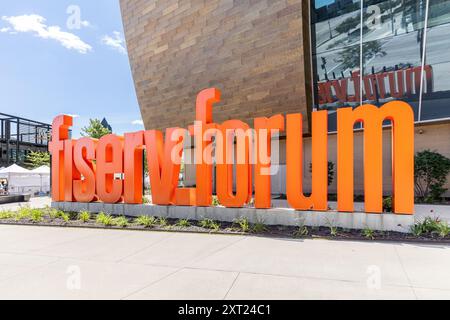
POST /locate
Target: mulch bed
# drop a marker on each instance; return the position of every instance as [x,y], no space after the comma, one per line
[232,229]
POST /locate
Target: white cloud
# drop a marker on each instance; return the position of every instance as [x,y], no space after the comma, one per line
[138,122]
[74,115]
[85,23]
[116,41]
[35,24]
[5,29]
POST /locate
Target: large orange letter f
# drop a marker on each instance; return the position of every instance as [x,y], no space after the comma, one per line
[60,132]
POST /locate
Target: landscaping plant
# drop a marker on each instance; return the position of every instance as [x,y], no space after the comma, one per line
[259,227]
[4,215]
[36,215]
[209,224]
[430,175]
[65,217]
[84,216]
[23,213]
[56,214]
[431,226]
[243,224]
[163,222]
[301,232]
[145,221]
[368,233]
[120,222]
[333,228]
[333,231]
[215,201]
[105,219]
[183,223]
[443,229]
[387,204]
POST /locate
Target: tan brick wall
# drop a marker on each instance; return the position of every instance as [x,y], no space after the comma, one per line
[250,49]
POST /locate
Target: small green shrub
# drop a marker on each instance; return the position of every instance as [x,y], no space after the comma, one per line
[301,232]
[84,216]
[209,224]
[184,223]
[162,222]
[259,227]
[387,204]
[204,223]
[243,224]
[332,227]
[36,215]
[64,216]
[430,175]
[4,215]
[55,214]
[333,231]
[430,226]
[58,214]
[443,229]
[73,215]
[23,213]
[417,229]
[145,221]
[100,217]
[145,200]
[215,226]
[368,233]
[215,201]
[105,219]
[120,222]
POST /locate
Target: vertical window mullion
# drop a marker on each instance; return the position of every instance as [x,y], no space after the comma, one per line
[361,55]
[424,52]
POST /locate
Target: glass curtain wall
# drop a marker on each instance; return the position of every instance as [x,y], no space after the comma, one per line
[375,51]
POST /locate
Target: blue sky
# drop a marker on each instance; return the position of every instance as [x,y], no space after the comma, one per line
[51,62]
[321,3]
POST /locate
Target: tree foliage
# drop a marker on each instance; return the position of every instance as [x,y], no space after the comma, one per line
[348,24]
[350,57]
[36,159]
[95,129]
[430,175]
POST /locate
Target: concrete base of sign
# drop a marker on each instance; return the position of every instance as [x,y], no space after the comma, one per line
[275,216]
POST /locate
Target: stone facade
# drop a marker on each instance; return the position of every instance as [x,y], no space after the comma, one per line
[255,51]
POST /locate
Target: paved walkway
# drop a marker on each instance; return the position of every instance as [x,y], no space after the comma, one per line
[63,263]
[38,202]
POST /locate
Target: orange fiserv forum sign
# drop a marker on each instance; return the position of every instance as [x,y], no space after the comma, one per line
[86,170]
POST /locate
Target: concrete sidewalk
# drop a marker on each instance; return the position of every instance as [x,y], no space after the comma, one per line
[35,202]
[63,263]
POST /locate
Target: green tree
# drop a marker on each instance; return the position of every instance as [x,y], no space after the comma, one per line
[36,159]
[95,129]
[430,175]
[348,24]
[351,55]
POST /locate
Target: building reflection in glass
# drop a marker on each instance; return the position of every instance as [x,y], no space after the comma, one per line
[388,52]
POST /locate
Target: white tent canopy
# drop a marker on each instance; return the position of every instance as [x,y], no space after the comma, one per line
[42,170]
[21,180]
[14,169]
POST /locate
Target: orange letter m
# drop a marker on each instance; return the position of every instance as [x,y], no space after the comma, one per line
[402,117]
